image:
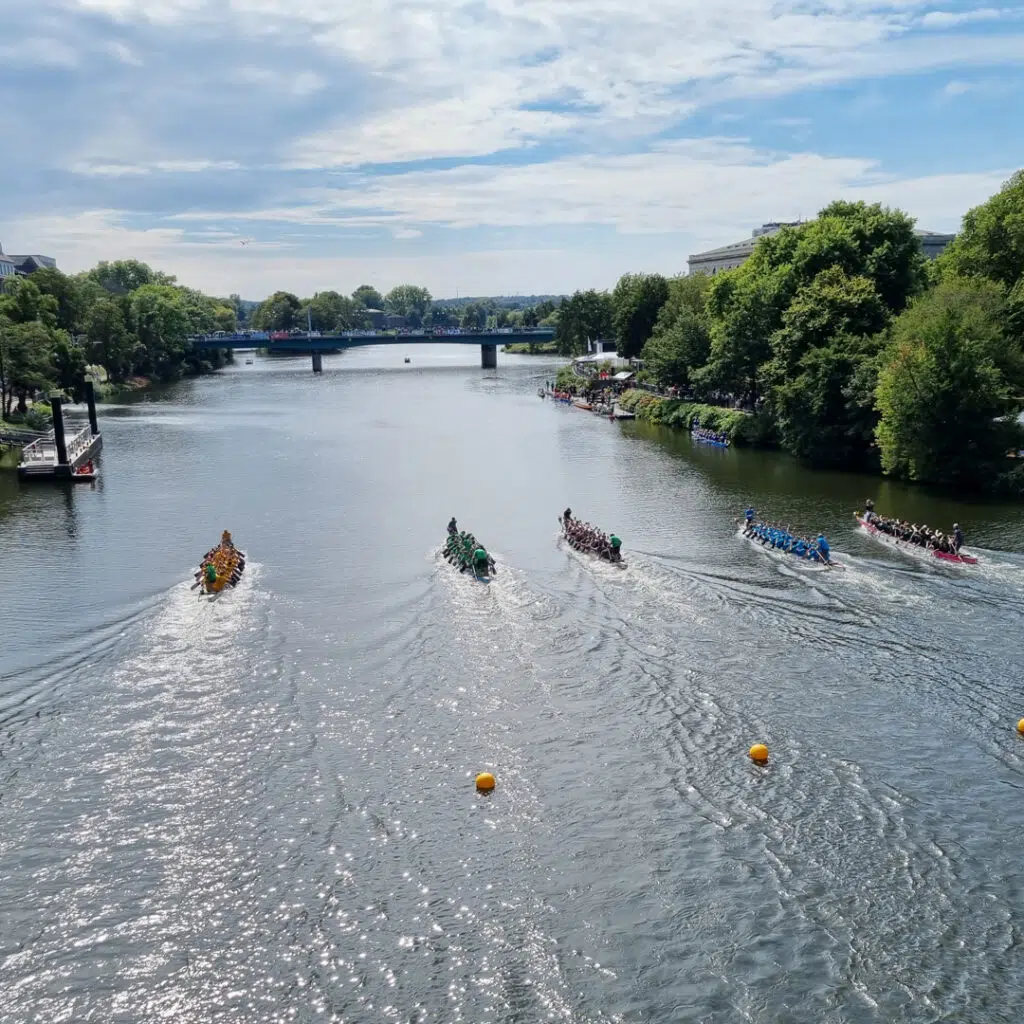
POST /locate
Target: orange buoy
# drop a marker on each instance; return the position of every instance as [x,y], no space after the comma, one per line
[485,782]
[759,753]
[1020,727]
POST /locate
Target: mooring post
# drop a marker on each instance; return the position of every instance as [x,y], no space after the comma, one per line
[58,430]
[489,356]
[90,401]
[318,362]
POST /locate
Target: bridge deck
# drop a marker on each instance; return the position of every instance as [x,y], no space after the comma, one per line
[356,339]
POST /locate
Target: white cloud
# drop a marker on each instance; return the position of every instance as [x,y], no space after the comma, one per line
[957,88]
[699,188]
[100,169]
[39,52]
[949,19]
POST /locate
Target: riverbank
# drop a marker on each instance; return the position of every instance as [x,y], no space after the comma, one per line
[742,428]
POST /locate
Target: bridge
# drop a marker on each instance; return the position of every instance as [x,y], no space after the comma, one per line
[316,343]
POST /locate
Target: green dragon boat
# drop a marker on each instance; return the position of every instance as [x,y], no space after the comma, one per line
[465,552]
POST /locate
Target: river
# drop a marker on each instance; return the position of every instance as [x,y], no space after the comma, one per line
[261,808]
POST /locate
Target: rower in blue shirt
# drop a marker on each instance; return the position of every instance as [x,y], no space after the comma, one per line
[824,548]
[750,514]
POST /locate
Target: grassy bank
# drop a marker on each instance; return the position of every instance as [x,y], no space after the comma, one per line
[741,428]
[531,348]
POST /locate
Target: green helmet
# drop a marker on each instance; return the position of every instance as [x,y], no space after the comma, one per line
[616,543]
[479,554]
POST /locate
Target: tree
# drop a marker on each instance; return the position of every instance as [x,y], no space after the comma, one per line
[330,311]
[368,297]
[110,342]
[530,316]
[824,408]
[23,302]
[26,362]
[946,412]
[991,240]
[676,349]
[636,303]
[69,366]
[159,317]
[279,312]
[585,316]
[123,276]
[440,316]
[474,317]
[410,301]
[71,297]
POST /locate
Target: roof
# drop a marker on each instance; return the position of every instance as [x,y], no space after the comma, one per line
[623,375]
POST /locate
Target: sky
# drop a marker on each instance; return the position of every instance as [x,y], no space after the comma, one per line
[485,147]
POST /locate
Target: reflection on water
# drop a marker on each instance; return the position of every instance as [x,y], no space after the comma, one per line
[261,808]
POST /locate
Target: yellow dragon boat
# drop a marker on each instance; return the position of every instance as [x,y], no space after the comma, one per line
[222,567]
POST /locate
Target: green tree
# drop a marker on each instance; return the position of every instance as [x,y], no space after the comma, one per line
[991,239]
[110,342]
[368,297]
[279,312]
[160,319]
[677,348]
[636,303]
[410,301]
[474,317]
[71,297]
[584,316]
[123,276]
[441,316]
[947,415]
[330,311]
[26,362]
[69,366]
[23,302]
[824,408]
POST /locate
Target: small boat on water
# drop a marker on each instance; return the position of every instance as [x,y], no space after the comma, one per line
[798,551]
[467,554]
[913,548]
[407,359]
[248,362]
[588,540]
[222,567]
[705,437]
[85,473]
[582,403]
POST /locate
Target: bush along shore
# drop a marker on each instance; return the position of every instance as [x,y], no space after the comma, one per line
[741,428]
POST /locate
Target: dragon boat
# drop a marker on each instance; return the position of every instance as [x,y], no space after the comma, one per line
[791,555]
[222,567]
[571,532]
[465,552]
[910,548]
[714,442]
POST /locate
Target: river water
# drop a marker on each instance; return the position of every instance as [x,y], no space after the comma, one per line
[261,808]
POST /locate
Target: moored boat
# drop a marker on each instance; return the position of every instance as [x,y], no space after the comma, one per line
[912,547]
[221,567]
[589,540]
[465,552]
[706,437]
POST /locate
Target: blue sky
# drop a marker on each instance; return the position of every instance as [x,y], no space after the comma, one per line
[485,146]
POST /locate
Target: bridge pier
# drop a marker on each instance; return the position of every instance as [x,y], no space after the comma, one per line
[318,362]
[489,357]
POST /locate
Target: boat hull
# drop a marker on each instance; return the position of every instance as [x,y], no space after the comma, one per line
[226,559]
[913,549]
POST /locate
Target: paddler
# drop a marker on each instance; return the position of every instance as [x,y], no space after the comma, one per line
[211,574]
[567,516]
[824,548]
[616,553]
[750,514]
[452,526]
[958,538]
[226,541]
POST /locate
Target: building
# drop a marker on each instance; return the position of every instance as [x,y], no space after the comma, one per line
[376,318]
[728,257]
[23,265]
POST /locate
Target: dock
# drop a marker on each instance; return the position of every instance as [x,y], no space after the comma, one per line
[59,455]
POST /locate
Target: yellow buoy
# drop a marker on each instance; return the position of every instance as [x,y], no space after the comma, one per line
[1020,727]
[759,753]
[485,782]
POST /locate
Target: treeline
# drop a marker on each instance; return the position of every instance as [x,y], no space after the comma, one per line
[860,351]
[123,316]
[331,311]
